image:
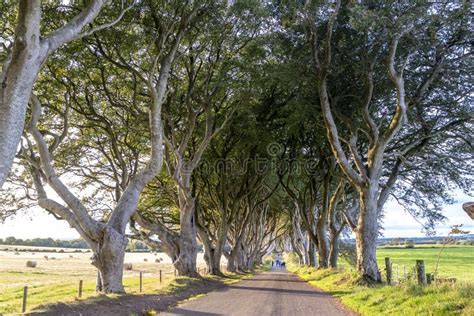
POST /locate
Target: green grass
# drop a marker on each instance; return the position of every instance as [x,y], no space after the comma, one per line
[406,299]
[456,261]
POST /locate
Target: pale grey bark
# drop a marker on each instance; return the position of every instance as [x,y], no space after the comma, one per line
[365,178]
[312,251]
[335,228]
[107,240]
[322,225]
[30,50]
[213,246]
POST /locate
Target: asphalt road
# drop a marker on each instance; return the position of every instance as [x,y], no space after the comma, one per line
[275,292]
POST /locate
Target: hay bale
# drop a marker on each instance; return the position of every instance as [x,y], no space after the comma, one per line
[157,260]
[31,264]
[127,266]
[145,259]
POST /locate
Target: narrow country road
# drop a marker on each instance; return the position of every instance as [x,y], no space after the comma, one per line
[276,292]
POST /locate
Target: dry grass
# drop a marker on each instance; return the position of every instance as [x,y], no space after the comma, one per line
[57,280]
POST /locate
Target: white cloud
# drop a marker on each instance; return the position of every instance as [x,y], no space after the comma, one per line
[398,223]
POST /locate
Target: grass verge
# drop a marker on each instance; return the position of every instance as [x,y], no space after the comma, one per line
[155,297]
[405,299]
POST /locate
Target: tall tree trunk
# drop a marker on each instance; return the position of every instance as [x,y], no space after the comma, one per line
[323,242]
[17,78]
[215,268]
[241,260]
[231,262]
[366,235]
[108,257]
[215,263]
[322,226]
[212,254]
[22,65]
[297,250]
[312,254]
[333,248]
[305,251]
[186,263]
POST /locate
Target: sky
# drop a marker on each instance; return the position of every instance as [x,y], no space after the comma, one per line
[397,223]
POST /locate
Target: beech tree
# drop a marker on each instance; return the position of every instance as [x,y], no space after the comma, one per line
[105,237]
[209,85]
[24,49]
[397,36]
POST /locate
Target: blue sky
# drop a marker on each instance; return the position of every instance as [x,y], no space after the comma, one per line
[397,223]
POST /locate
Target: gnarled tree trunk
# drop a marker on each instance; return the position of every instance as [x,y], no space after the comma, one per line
[323,242]
[312,255]
[366,236]
[109,254]
[186,263]
[334,248]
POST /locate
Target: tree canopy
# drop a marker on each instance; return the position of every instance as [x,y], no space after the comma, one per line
[245,126]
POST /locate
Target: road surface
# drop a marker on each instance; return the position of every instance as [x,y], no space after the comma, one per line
[276,292]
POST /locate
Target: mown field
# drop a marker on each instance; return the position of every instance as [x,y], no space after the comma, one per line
[57,280]
[455,261]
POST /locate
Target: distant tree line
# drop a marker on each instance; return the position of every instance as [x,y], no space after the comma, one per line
[134,246]
[45,242]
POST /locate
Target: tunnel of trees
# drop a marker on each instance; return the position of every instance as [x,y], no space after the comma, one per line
[241,126]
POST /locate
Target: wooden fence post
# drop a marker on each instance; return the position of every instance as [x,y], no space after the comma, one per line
[161,277]
[429,278]
[25,294]
[420,272]
[79,291]
[141,282]
[404,273]
[388,268]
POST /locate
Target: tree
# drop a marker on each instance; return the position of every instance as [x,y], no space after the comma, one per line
[366,163]
[25,50]
[208,86]
[106,237]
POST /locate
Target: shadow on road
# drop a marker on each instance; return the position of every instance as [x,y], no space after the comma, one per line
[274,280]
[182,311]
[279,290]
